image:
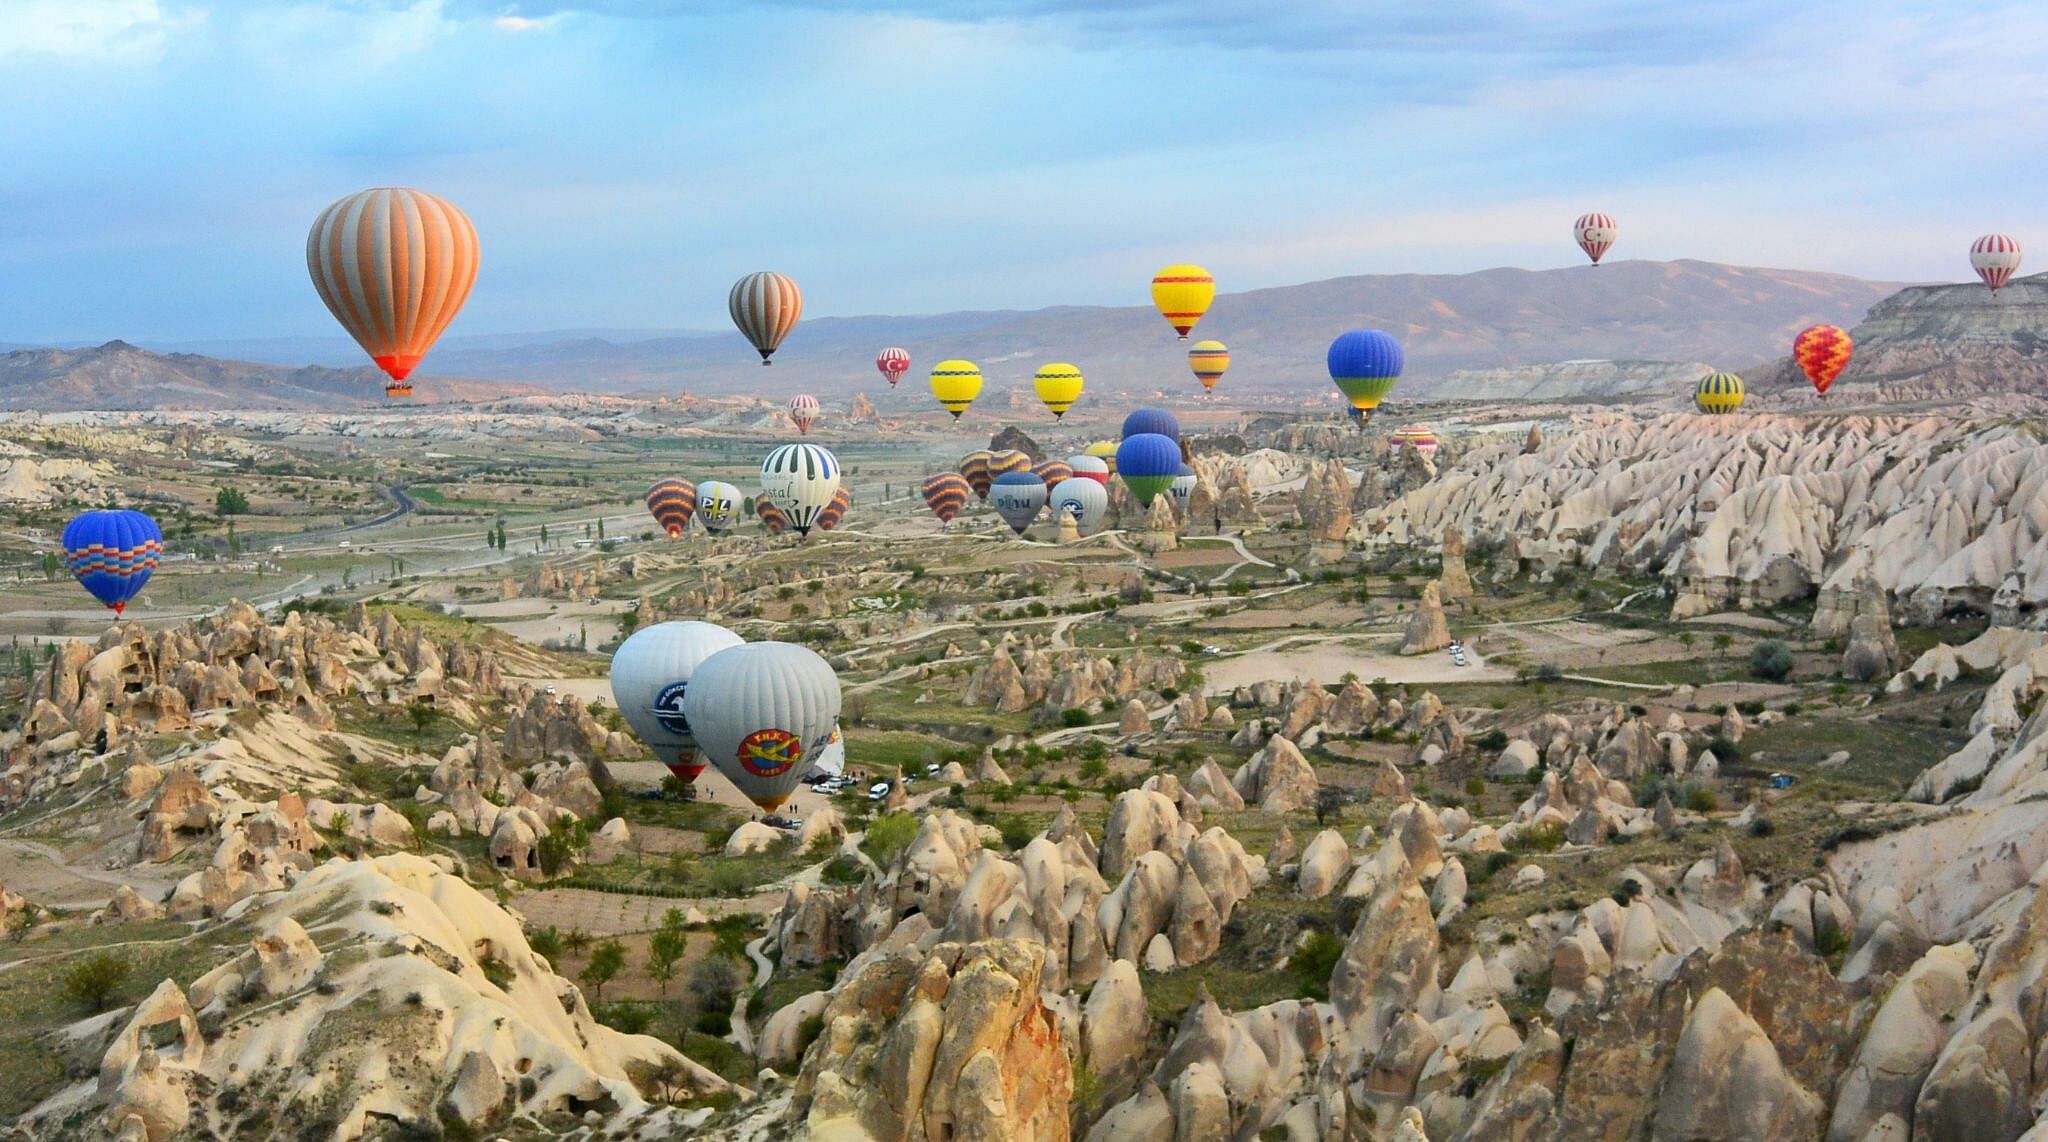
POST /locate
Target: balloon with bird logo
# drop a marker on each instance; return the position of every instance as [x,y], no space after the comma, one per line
[1822,352]
[1058,385]
[673,501]
[1996,258]
[946,493]
[1209,360]
[651,672]
[112,553]
[1594,233]
[1718,393]
[762,712]
[394,266]
[1147,464]
[1018,497]
[718,505]
[801,480]
[1182,293]
[765,306]
[803,411]
[892,363]
[1364,365]
[1083,500]
[956,384]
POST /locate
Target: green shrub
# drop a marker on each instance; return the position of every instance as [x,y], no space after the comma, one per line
[96,980]
[1312,963]
[1541,838]
[1770,660]
[887,836]
[1475,786]
[1073,717]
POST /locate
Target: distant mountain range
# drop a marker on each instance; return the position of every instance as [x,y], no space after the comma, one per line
[1632,311]
[118,375]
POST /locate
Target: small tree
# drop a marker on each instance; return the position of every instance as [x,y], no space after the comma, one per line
[1722,642]
[1771,661]
[605,961]
[1329,802]
[664,948]
[422,713]
[230,501]
[95,980]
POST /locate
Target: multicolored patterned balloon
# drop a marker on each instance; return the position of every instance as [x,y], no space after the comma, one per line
[673,501]
[112,554]
[394,266]
[1822,352]
[765,306]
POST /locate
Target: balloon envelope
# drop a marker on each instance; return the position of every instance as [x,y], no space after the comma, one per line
[1594,233]
[1995,257]
[1154,420]
[1018,497]
[1059,386]
[760,712]
[112,554]
[650,673]
[1718,393]
[1182,294]
[1209,360]
[892,364]
[842,501]
[1053,471]
[1364,364]
[803,411]
[974,466]
[1822,352]
[1090,468]
[771,517]
[765,306]
[1418,437]
[1147,464]
[718,505]
[394,266]
[1182,489]
[800,479]
[956,384]
[1008,460]
[673,501]
[1084,500]
[946,493]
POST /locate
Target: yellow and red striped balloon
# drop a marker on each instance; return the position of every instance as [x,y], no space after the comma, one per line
[394,266]
[1182,292]
[1209,360]
[946,493]
[1822,351]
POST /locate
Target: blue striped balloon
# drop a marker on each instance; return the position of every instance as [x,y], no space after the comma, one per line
[1154,420]
[112,554]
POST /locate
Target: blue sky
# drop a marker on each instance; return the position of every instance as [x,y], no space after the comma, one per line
[625,161]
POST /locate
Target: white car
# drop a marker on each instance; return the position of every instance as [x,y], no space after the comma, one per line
[878,790]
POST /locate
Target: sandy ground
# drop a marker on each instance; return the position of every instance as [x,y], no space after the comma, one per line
[588,689]
[605,913]
[1329,662]
[714,787]
[565,621]
[39,873]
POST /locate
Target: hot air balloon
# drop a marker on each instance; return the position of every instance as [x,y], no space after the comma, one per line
[394,266]
[673,502]
[974,466]
[1209,360]
[1718,393]
[800,479]
[1182,489]
[650,672]
[1364,364]
[1418,437]
[835,511]
[718,505]
[1147,463]
[956,384]
[1183,293]
[1059,386]
[946,493]
[771,517]
[803,411]
[893,363]
[1822,352]
[1089,468]
[765,306]
[112,554]
[1154,420]
[1105,451]
[1053,471]
[1008,460]
[762,711]
[1084,500]
[1995,257]
[833,760]
[1594,233]
[1018,497]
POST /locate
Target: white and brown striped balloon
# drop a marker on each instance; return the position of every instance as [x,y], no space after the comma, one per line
[394,266]
[765,306]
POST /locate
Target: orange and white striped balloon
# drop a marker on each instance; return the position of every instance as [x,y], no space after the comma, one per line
[394,266]
[765,306]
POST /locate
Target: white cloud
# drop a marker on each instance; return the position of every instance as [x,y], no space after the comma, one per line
[88,29]
[520,24]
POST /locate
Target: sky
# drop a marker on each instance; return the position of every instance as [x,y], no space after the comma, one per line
[625,161]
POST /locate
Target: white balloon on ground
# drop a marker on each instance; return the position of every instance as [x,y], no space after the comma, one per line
[761,713]
[651,671]
[1083,499]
